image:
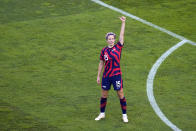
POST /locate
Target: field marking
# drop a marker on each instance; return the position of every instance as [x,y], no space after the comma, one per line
[153,70]
[150,80]
[144,21]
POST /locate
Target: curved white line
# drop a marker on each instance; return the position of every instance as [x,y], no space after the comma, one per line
[158,62]
[149,85]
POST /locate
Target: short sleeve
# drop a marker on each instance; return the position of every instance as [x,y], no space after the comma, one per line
[119,45]
[102,54]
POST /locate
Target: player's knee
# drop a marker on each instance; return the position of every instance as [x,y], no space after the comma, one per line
[120,94]
[104,94]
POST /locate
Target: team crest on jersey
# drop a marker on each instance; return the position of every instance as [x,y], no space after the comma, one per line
[106,57]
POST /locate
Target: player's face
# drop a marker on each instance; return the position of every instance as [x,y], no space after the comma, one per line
[111,40]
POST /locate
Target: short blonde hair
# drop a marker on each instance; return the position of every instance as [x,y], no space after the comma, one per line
[110,33]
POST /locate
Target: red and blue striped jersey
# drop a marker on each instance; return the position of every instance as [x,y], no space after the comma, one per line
[111,58]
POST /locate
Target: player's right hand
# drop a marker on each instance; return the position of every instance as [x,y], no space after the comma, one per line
[98,80]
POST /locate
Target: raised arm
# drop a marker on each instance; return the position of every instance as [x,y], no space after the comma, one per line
[100,67]
[121,37]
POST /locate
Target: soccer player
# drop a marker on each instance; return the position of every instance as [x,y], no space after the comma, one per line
[110,57]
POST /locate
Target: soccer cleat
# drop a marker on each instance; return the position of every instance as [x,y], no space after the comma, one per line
[101,116]
[124,117]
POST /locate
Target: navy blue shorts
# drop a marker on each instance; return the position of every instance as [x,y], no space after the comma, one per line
[116,81]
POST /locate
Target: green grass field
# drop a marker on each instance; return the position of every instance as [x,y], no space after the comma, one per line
[49,54]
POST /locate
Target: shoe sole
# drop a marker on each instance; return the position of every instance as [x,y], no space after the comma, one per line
[99,119]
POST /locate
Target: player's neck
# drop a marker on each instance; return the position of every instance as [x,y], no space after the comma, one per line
[110,46]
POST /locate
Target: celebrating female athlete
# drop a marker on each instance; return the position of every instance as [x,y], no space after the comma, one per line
[110,57]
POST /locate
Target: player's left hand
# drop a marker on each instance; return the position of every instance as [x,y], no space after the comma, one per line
[123,19]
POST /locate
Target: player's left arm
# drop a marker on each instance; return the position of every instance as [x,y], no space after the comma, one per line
[121,37]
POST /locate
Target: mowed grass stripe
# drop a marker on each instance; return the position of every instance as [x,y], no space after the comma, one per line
[187,5]
[12,118]
[23,10]
[49,67]
[176,16]
[174,87]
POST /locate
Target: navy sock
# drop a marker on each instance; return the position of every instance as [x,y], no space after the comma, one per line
[103,103]
[123,104]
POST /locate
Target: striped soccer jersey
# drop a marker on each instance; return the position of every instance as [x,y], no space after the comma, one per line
[111,58]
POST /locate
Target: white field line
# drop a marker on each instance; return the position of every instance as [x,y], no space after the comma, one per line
[158,62]
[150,80]
[143,21]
